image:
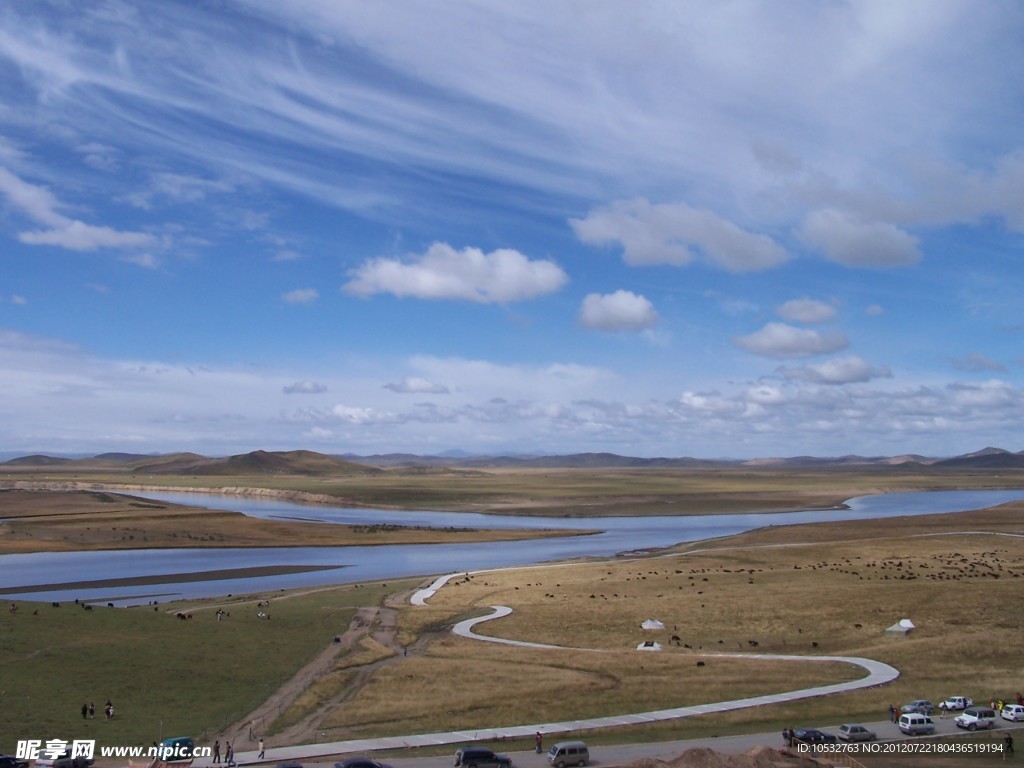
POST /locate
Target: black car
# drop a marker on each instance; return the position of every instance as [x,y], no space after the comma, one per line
[813,736]
[480,757]
[360,762]
[7,761]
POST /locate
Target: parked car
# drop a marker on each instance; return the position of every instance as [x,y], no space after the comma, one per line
[914,723]
[9,761]
[480,757]
[974,718]
[851,732]
[957,703]
[1013,712]
[63,760]
[813,736]
[920,706]
[360,762]
[566,753]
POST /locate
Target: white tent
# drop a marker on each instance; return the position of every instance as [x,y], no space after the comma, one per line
[652,624]
[900,629]
[649,645]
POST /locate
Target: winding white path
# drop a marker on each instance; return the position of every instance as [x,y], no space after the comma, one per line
[878,674]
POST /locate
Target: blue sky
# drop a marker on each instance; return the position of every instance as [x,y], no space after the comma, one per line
[715,229]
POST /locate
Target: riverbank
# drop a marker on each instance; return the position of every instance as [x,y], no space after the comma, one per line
[66,518]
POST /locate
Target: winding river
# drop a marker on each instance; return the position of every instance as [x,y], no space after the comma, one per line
[171,574]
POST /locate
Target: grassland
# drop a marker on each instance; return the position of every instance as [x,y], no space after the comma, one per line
[565,492]
[835,595]
[815,589]
[60,521]
[164,675]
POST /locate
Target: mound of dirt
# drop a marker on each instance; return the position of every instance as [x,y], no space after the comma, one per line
[758,757]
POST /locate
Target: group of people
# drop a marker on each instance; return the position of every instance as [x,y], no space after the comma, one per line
[229,753]
[89,711]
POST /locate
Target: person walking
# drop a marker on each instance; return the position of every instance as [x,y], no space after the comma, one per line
[262,748]
[216,751]
[229,755]
[538,743]
[1007,745]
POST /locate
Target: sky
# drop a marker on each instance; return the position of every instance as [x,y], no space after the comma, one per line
[721,229]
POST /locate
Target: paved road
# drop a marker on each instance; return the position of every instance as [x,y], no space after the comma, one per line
[619,754]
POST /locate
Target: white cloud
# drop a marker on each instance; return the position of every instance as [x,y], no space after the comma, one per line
[99,156]
[442,272]
[417,385]
[853,242]
[806,311]
[619,311]
[840,370]
[305,387]
[781,340]
[301,296]
[676,234]
[976,362]
[39,204]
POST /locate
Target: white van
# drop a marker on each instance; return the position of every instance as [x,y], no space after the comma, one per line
[912,724]
[568,753]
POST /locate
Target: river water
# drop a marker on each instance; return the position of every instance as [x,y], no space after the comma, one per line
[62,576]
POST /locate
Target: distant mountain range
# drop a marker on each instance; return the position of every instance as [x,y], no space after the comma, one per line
[321,464]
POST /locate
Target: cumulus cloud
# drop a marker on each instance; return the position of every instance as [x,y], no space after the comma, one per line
[304,387]
[443,272]
[417,385]
[781,340]
[976,362]
[806,311]
[619,311]
[840,370]
[39,204]
[301,296]
[676,234]
[849,240]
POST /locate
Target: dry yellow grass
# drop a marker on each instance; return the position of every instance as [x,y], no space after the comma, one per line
[834,595]
[465,684]
[40,521]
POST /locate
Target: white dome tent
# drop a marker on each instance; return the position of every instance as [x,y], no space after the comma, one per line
[901,628]
[649,645]
[652,624]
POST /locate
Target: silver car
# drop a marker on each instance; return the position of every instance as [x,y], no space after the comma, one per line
[851,732]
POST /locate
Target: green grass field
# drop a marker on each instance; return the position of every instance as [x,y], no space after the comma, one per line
[165,676]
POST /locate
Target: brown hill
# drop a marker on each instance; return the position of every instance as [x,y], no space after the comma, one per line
[257,463]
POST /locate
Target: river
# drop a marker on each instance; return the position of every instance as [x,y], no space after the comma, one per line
[188,573]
